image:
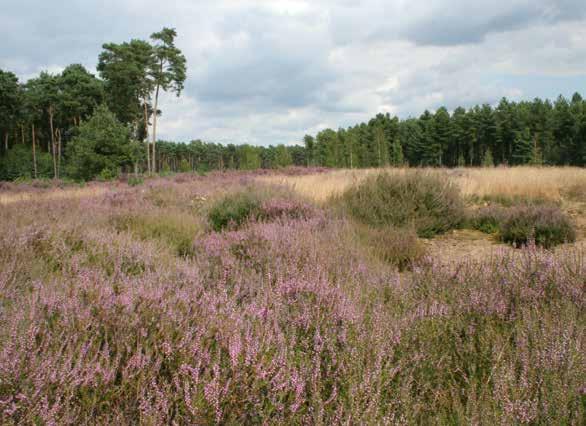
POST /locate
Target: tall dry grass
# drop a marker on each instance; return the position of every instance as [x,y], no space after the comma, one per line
[551,183]
[52,194]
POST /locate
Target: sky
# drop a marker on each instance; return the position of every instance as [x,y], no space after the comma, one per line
[270,71]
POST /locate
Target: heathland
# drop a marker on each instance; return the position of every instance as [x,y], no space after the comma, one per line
[298,296]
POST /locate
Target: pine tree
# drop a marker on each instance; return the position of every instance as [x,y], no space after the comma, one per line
[397,158]
[487,160]
[522,147]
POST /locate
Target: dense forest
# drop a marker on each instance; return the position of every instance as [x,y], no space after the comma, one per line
[82,126]
[537,132]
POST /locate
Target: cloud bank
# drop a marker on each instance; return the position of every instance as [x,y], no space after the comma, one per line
[267,72]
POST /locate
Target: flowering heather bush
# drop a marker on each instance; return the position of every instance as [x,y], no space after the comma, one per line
[279,322]
[256,204]
[428,202]
[282,208]
[548,226]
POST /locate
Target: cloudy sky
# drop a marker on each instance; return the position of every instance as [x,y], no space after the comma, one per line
[267,72]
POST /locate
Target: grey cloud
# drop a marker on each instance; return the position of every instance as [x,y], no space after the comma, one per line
[465,22]
[261,73]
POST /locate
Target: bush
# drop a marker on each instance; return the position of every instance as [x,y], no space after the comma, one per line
[429,203]
[548,226]
[107,175]
[233,210]
[135,180]
[397,246]
[263,204]
[487,219]
[278,208]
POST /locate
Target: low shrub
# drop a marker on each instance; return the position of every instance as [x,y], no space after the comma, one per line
[233,210]
[259,204]
[397,246]
[428,202]
[487,219]
[276,208]
[547,226]
[135,180]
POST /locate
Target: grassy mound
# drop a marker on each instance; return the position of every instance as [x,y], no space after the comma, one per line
[427,202]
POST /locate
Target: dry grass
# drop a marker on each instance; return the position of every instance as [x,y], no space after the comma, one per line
[52,194]
[550,183]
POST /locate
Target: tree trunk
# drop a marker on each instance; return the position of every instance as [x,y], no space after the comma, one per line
[6,141]
[22,133]
[50,111]
[146,133]
[34,151]
[58,134]
[155,129]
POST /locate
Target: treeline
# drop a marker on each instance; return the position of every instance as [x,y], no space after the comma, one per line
[203,156]
[536,132]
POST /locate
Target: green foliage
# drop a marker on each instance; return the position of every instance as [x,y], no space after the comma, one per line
[101,148]
[488,219]
[135,180]
[283,157]
[487,160]
[18,163]
[428,202]
[547,226]
[233,210]
[397,158]
[184,166]
[124,68]
[9,100]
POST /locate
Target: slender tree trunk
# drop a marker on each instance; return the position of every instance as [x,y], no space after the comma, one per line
[34,151]
[53,142]
[58,134]
[22,133]
[6,141]
[146,132]
[155,129]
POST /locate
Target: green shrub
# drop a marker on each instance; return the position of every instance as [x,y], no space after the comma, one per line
[107,174]
[397,246]
[487,219]
[135,180]
[547,226]
[233,210]
[428,202]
